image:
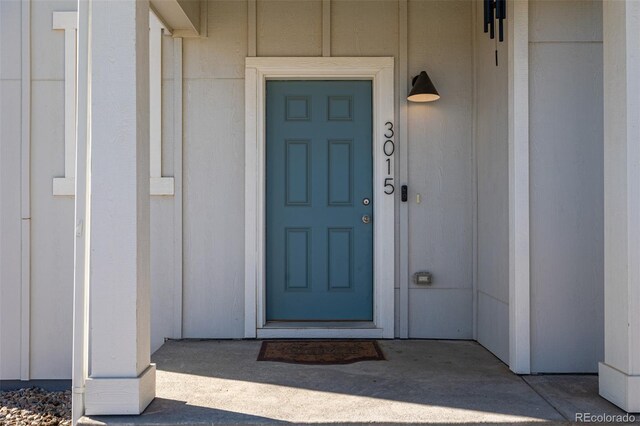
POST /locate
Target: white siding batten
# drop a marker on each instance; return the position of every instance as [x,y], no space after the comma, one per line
[257,71]
[326,28]
[252,26]
[519,248]
[403,82]
[177,203]
[25,192]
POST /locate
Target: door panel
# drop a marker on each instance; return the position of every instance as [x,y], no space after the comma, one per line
[298,173]
[340,176]
[319,253]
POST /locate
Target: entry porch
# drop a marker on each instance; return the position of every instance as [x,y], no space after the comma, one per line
[113,373]
[220,382]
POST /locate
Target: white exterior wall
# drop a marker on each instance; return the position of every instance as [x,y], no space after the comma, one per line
[213,209]
[492,154]
[567,199]
[52,232]
[442,168]
[52,228]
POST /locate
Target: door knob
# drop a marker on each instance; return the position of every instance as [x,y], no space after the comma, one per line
[366,219]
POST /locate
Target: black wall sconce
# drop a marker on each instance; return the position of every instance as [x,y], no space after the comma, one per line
[423,89]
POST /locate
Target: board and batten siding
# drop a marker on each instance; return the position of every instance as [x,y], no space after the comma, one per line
[440,149]
[439,36]
[49,331]
[213,291]
[441,171]
[567,186]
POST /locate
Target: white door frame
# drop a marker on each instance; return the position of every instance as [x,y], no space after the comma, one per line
[257,71]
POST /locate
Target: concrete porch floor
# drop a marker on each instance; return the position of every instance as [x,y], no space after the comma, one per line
[422,381]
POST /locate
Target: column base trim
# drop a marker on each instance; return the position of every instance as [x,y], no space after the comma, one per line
[118,396]
[619,388]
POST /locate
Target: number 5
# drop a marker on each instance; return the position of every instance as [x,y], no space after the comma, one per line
[388,186]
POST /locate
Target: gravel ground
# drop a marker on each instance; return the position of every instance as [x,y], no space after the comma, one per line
[35,406]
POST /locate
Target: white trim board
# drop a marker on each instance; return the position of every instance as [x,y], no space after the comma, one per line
[67,21]
[257,71]
[159,185]
[519,241]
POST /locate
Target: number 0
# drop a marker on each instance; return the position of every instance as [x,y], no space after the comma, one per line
[389,148]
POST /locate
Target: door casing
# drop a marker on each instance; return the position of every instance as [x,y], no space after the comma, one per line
[257,71]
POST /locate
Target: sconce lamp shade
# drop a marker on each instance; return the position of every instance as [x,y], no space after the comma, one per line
[423,89]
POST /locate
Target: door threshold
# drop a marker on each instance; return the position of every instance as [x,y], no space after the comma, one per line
[320,324]
[319,330]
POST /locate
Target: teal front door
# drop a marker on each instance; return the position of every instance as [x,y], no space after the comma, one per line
[319,235]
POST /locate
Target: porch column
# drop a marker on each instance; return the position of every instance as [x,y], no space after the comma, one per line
[121,377]
[620,371]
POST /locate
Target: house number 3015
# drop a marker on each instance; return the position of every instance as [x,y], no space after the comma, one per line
[388,148]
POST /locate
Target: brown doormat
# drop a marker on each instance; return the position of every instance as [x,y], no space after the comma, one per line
[320,351]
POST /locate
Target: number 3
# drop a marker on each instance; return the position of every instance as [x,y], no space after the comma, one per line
[390,129]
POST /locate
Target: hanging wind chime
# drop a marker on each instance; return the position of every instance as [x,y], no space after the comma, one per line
[495,10]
